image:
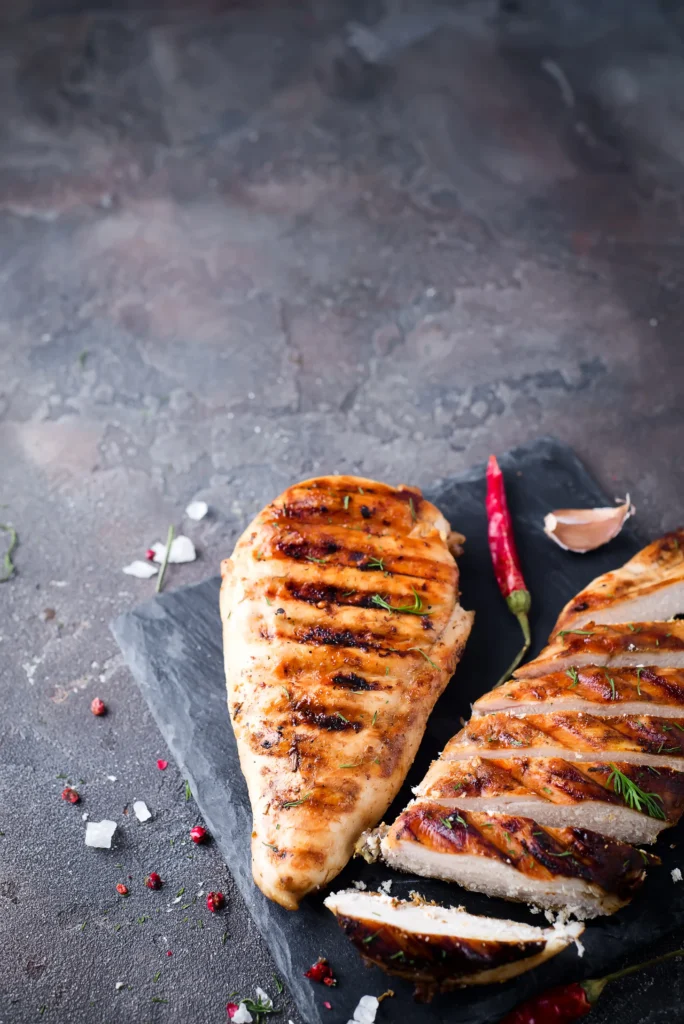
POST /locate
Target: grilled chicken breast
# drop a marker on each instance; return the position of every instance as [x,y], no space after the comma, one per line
[443,948]
[650,586]
[624,645]
[516,858]
[585,744]
[598,691]
[557,792]
[341,629]
[574,734]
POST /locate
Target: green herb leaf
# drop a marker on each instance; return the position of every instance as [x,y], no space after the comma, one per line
[271,846]
[278,984]
[310,558]
[420,651]
[7,563]
[346,502]
[357,765]
[375,563]
[296,803]
[635,797]
[613,695]
[446,823]
[572,672]
[374,718]
[409,609]
[162,571]
[188,791]
[369,938]
[578,632]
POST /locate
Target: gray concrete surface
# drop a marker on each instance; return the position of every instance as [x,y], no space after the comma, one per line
[233,253]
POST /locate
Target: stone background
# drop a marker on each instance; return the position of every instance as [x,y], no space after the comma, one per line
[242,244]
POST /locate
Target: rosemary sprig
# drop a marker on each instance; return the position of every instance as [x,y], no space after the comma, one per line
[340,715]
[572,672]
[188,791]
[310,558]
[376,563]
[7,563]
[162,571]
[578,632]
[421,651]
[296,803]
[346,502]
[415,609]
[613,695]
[635,797]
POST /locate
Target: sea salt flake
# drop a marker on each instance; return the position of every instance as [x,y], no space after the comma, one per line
[99,833]
[112,778]
[182,550]
[359,885]
[366,1010]
[676,874]
[119,985]
[264,998]
[242,1016]
[197,510]
[580,947]
[141,570]
[141,810]
[386,886]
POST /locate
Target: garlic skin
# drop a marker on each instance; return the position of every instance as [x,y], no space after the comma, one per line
[585,529]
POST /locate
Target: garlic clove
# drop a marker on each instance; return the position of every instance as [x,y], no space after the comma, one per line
[584,529]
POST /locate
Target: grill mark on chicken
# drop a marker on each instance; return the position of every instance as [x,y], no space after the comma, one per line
[352,681]
[306,715]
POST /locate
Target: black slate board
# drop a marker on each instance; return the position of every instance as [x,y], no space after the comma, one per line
[173,647]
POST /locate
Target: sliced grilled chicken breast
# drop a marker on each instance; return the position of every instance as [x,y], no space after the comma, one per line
[560,792]
[442,948]
[572,734]
[625,645]
[514,857]
[598,691]
[341,629]
[650,586]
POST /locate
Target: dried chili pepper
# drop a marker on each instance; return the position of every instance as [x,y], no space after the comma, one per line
[321,971]
[505,557]
[569,1002]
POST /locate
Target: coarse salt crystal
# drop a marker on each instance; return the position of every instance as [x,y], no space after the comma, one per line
[359,885]
[182,550]
[242,1016]
[112,778]
[141,810]
[197,510]
[99,834]
[119,985]
[676,874]
[386,886]
[366,1010]
[141,570]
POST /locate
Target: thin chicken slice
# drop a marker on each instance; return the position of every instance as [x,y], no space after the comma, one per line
[648,587]
[573,735]
[627,645]
[443,948]
[560,792]
[580,871]
[341,629]
[598,691]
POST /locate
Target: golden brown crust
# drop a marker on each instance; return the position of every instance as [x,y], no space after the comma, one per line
[574,731]
[647,685]
[655,567]
[341,629]
[537,852]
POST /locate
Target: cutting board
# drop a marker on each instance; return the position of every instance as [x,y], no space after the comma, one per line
[173,647]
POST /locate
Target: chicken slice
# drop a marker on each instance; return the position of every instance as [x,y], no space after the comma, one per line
[443,948]
[571,734]
[650,586]
[341,629]
[559,792]
[627,645]
[598,691]
[506,855]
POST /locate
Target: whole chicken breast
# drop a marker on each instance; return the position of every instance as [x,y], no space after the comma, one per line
[341,629]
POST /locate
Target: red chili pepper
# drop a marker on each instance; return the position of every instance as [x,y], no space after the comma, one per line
[505,557]
[569,1002]
[70,794]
